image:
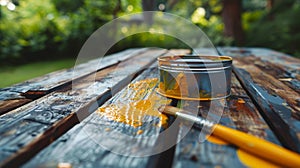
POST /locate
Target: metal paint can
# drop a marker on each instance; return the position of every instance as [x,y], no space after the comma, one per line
[195,77]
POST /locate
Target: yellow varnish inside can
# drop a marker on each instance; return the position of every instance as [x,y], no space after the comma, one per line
[193,77]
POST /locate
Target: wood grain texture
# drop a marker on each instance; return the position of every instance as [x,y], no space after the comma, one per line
[271,80]
[57,112]
[20,94]
[280,65]
[97,128]
[7,105]
[276,102]
[238,112]
[263,73]
[275,57]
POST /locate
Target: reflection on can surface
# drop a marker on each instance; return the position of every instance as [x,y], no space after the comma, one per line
[193,77]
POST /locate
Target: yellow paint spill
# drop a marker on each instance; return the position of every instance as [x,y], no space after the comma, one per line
[64,165]
[138,107]
[216,140]
[138,90]
[242,101]
[134,112]
[253,161]
[139,132]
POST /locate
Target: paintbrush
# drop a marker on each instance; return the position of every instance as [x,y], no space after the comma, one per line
[256,146]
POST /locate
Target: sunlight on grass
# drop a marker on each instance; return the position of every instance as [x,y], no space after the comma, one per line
[17,74]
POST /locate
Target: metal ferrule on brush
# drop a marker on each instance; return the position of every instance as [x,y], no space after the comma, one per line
[197,120]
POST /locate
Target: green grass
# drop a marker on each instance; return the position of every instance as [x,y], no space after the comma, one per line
[16,74]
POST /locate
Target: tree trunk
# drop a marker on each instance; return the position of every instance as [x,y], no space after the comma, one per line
[171,4]
[117,9]
[148,5]
[231,14]
[270,4]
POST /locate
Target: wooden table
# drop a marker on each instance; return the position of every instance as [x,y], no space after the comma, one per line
[40,125]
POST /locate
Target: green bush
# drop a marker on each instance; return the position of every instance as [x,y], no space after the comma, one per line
[38,30]
[277,29]
[211,23]
[33,27]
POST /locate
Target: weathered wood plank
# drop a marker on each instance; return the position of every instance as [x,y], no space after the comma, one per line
[58,111]
[282,66]
[289,78]
[275,57]
[10,100]
[78,139]
[238,112]
[269,75]
[272,80]
[20,94]
[278,103]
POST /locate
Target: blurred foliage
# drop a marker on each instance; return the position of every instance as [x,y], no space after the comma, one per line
[277,29]
[152,40]
[49,29]
[58,28]
[30,29]
[208,18]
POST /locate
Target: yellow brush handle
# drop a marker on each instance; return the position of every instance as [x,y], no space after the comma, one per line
[257,146]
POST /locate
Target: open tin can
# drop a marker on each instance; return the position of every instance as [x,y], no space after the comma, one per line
[194,77]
